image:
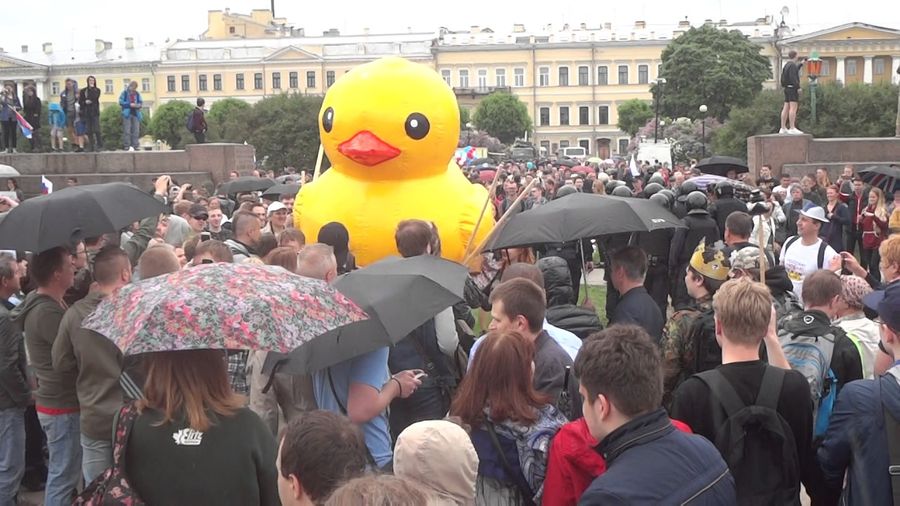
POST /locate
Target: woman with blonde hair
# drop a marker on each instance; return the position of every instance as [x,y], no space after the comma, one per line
[380,490]
[873,223]
[193,441]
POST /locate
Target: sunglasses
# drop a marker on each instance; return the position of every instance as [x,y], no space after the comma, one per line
[202,217]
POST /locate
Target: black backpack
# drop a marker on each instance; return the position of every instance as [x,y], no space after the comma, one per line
[756,442]
[707,353]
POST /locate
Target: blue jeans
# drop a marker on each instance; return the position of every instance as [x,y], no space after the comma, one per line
[12,453]
[96,457]
[131,131]
[64,444]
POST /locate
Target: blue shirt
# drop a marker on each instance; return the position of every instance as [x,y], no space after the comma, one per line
[369,369]
[565,339]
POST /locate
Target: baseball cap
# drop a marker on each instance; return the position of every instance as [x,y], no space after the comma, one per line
[198,211]
[275,206]
[887,303]
[710,263]
[815,213]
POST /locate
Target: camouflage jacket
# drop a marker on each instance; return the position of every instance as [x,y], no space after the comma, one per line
[678,348]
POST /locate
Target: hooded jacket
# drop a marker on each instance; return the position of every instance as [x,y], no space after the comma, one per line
[439,455]
[56,116]
[91,93]
[561,309]
[39,317]
[856,440]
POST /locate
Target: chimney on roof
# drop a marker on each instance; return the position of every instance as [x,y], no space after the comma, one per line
[607,26]
[684,24]
[723,22]
[708,22]
[99,45]
[48,47]
[129,43]
[518,28]
[24,48]
[640,25]
[583,26]
[475,29]
[332,32]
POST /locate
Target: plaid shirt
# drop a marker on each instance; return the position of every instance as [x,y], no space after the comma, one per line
[237,370]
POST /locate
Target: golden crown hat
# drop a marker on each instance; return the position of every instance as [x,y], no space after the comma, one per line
[712,263]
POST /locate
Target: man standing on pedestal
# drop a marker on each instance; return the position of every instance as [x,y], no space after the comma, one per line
[790,81]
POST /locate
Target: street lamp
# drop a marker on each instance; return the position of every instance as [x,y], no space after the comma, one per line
[659,91]
[703,110]
[814,70]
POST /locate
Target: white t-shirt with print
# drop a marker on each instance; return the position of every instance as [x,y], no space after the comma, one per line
[800,261]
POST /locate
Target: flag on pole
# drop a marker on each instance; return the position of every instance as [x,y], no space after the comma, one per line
[635,170]
[46,186]
[24,125]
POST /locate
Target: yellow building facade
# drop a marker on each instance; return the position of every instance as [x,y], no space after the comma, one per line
[260,23]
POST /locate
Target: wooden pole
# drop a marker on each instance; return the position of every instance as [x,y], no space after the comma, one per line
[487,201]
[302,178]
[762,250]
[502,221]
[319,162]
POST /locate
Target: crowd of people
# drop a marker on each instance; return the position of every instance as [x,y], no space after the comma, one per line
[746,358]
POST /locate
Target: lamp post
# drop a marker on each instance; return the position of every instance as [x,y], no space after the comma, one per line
[659,91]
[814,70]
[703,110]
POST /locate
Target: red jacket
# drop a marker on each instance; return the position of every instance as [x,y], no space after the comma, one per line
[573,463]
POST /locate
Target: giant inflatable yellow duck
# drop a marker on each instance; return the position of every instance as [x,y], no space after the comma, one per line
[389,128]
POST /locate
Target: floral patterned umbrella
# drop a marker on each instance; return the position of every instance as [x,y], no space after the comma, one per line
[222,306]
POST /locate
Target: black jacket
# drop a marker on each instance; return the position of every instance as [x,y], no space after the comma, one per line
[14,390]
[93,109]
[722,209]
[638,308]
[649,462]
[561,308]
[699,225]
[31,111]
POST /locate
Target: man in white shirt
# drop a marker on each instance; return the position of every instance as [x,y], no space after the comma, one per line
[806,252]
[784,187]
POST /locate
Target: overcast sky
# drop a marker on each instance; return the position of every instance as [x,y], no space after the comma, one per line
[77,24]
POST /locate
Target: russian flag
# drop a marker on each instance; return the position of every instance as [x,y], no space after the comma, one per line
[46,186]
[24,125]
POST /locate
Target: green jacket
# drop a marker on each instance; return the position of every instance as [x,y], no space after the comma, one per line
[14,390]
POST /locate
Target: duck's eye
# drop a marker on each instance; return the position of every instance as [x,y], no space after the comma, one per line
[417,126]
[328,119]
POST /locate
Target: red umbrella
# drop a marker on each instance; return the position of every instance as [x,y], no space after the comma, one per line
[486,176]
[583,169]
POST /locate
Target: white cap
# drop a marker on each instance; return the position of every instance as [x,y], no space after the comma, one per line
[276,206]
[815,213]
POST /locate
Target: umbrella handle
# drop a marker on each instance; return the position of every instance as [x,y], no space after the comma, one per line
[271,379]
[487,201]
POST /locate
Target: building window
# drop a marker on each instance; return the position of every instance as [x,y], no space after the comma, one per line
[276,80]
[851,66]
[108,85]
[445,75]
[583,73]
[623,74]
[501,77]
[545,116]
[826,67]
[563,115]
[185,83]
[586,144]
[623,146]
[329,78]
[584,115]
[564,76]
[257,81]
[231,30]
[201,82]
[519,77]
[563,144]
[603,75]
[217,82]
[603,115]
[482,79]
[293,80]
[239,81]
[54,87]
[877,66]
[643,74]
[311,79]
[145,84]
[544,76]
[463,78]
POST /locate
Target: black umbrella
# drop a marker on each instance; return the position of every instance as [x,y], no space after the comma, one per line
[581,216]
[288,178]
[566,162]
[398,294]
[245,184]
[72,214]
[479,161]
[276,191]
[886,177]
[720,165]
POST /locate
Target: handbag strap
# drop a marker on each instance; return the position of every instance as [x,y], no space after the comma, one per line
[123,423]
[369,457]
[892,430]
[517,478]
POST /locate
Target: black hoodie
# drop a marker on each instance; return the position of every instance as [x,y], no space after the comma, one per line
[91,93]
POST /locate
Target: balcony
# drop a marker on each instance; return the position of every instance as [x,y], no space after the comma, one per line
[480,91]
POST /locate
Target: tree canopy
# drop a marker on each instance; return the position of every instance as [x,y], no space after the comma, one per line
[718,68]
[504,116]
[227,120]
[168,123]
[285,129]
[633,114]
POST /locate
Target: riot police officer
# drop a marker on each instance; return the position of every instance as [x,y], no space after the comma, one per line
[699,226]
[724,205]
[657,245]
[679,209]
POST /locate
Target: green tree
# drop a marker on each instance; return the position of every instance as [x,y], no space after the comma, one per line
[633,114]
[503,116]
[111,126]
[285,128]
[227,120]
[168,123]
[706,65]
[465,117]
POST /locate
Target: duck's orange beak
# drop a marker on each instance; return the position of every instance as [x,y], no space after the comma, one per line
[366,148]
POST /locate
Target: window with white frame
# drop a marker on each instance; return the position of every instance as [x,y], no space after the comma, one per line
[583,75]
[544,76]
[564,76]
[445,75]
[482,79]
[463,78]
[500,74]
[519,77]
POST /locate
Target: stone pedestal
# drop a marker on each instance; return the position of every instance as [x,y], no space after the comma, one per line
[803,154]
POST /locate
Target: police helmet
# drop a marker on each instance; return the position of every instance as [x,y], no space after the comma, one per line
[661,200]
[696,200]
[652,189]
[622,191]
